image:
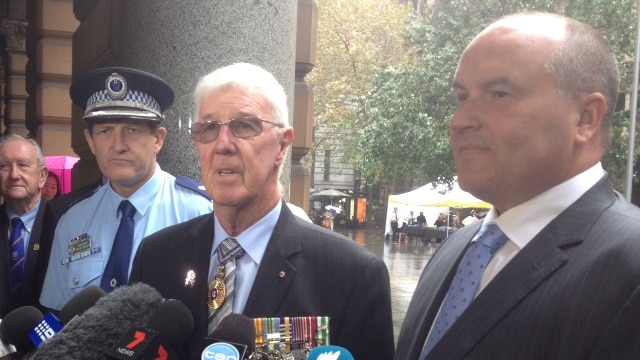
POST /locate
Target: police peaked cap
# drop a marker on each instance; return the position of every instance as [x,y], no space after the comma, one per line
[118,92]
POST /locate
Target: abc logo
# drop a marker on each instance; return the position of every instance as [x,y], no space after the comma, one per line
[220,351]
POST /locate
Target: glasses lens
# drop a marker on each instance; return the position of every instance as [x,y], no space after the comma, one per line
[204,131]
[246,127]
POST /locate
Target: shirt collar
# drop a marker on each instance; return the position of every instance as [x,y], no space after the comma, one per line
[143,197]
[28,219]
[253,240]
[523,222]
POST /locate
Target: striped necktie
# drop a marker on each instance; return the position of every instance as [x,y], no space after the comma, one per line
[16,261]
[465,282]
[116,273]
[228,251]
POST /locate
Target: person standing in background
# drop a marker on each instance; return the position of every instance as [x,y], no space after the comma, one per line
[51,188]
[27,223]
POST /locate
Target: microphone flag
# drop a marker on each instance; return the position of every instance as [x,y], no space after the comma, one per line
[141,343]
[45,330]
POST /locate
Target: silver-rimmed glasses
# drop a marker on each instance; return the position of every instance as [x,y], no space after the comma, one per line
[241,127]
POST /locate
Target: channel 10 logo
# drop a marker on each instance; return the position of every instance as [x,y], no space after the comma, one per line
[220,351]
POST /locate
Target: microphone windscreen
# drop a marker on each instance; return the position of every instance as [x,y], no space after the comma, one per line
[91,335]
[236,328]
[174,322]
[80,302]
[329,352]
[16,325]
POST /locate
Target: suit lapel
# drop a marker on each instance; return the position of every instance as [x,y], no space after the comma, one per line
[4,262]
[276,273]
[201,236]
[33,249]
[532,266]
[434,284]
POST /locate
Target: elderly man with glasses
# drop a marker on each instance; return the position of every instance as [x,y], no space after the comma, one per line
[252,255]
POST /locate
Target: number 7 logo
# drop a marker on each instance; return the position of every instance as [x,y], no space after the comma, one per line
[139,337]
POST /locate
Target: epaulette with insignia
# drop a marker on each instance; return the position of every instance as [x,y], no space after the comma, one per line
[193,185]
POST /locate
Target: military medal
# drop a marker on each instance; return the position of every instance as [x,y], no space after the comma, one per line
[217,290]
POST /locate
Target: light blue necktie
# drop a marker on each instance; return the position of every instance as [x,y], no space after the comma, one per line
[116,273]
[465,282]
[16,261]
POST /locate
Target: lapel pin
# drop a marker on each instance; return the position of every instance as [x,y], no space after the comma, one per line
[190,280]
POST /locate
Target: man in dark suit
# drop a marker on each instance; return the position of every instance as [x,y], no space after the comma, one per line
[23,173]
[537,94]
[286,266]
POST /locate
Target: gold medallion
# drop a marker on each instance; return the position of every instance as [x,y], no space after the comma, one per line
[217,291]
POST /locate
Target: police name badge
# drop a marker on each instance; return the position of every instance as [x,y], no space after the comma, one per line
[80,247]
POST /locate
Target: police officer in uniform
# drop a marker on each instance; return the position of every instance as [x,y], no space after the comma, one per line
[123,111]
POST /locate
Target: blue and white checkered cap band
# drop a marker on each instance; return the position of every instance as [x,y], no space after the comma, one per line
[133,99]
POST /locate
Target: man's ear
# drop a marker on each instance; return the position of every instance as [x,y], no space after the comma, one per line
[89,139]
[160,135]
[285,141]
[594,107]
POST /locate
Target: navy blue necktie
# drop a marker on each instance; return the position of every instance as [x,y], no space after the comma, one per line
[116,273]
[465,282]
[16,261]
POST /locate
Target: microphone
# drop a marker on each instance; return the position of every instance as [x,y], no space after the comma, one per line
[329,352]
[47,328]
[92,334]
[49,325]
[80,302]
[234,336]
[169,327]
[15,328]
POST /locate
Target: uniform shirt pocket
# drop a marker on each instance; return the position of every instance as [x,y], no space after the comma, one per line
[81,273]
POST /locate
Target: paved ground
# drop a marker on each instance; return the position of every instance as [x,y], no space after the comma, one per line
[405,261]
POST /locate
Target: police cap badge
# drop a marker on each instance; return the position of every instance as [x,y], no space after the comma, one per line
[118,92]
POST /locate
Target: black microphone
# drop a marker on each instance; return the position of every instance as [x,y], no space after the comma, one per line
[50,325]
[169,327]
[80,303]
[15,328]
[91,335]
[235,332]
[174,322]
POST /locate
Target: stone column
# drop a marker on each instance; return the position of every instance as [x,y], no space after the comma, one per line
[303,102]
[13,30]
[48,74]
[180,41]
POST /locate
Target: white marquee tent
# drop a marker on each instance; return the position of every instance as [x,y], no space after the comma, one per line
[431,200]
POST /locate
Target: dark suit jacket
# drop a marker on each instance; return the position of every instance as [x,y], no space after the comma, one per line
[572,293]
[306,271]
[37,258]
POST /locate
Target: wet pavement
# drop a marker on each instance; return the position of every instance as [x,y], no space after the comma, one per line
[405,261]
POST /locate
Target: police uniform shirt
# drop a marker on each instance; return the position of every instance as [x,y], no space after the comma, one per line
[85,233]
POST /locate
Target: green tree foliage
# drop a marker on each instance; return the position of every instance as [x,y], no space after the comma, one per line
[356,40]
[409,105]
